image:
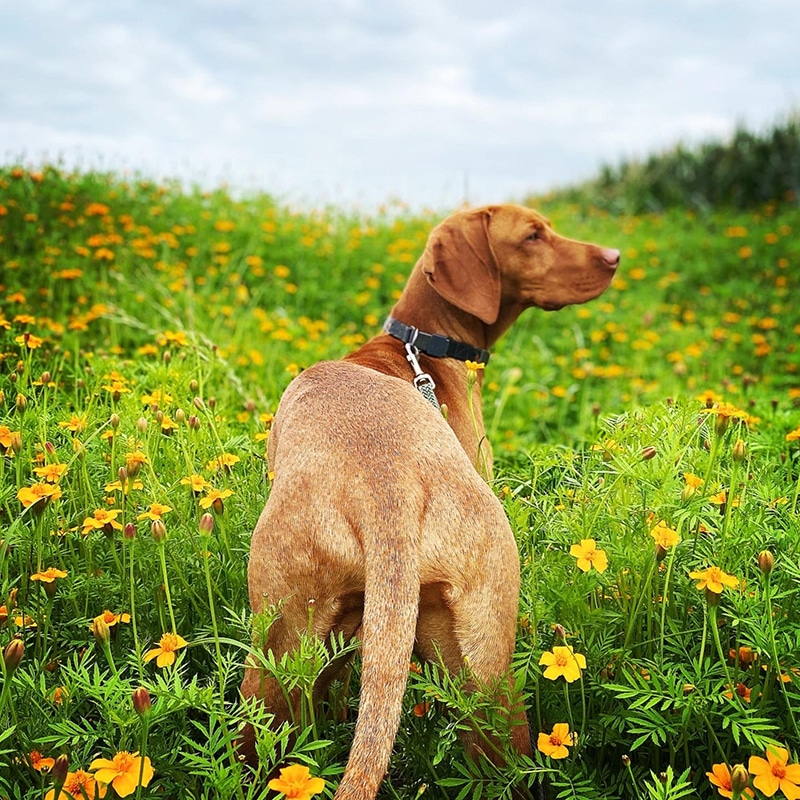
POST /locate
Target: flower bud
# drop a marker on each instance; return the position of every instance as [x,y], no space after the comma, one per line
[661,553]
[212,403]
[22,403]
[141,701]
[193,422]
[198,403]
[626,760]
[766,561]
[206,524]
[648,453]
[122,474]
[114,420]
[49,448]
[12,655]
[167,357]
[193,386]
[46,378]
[180,416]
[158,530]
[59,771]
[560,632]
[101,631]
[739,451]
[721,424]
[129,531]
[141,424]
[740,779]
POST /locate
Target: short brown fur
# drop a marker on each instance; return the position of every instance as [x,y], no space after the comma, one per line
[377,510]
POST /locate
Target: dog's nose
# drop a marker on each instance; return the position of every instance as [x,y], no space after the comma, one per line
[611,257]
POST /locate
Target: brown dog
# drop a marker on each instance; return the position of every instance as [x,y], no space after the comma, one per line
[377,511]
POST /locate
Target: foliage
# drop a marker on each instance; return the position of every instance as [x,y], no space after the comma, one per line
[743,172]
[146,336]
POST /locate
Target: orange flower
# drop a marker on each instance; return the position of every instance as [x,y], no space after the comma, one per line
[77,786]
[713,579]
[43,493]
[664,536]
[111,619]
[49,575]
[165,652]
[775,773]
[157,510]
[720,776]
[123,771]
[215,498]
[793,436]
[562,661]
[555,744]
[296,782]
[102,519]
[741,690]
[39,763]
[52,473]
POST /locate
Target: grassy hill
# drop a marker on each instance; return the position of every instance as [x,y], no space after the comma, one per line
[147,333]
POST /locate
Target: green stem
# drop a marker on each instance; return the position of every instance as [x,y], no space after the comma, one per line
[163,558]
[206,555]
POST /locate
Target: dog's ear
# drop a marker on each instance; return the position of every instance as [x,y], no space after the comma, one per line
[460,265]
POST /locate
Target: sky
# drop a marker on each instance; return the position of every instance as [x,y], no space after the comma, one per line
[356,102]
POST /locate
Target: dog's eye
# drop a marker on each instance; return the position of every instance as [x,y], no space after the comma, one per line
[533,236]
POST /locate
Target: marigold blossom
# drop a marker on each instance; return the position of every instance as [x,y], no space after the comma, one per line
[39,762]
[77,786]
[713,579]
[165,652]
[720,776]
[50,473]
[122,772]
[589,556]
[197,483]
[664,536]
[215,497]
[38,493]
[555,744]
[775,773]
[155,512]
[793,436]
[49,575]
[296,782]
[562,661]
[102,519]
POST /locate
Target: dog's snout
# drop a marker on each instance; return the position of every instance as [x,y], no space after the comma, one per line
[611,257]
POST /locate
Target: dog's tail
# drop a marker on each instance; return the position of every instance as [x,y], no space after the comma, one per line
[391,606]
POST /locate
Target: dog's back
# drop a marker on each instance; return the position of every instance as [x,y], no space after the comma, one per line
[371,509]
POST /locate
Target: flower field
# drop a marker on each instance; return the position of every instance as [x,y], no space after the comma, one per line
[647,452]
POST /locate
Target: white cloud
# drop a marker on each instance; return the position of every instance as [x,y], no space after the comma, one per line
[358,99]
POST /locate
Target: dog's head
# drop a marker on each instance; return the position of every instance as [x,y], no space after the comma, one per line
[506,255]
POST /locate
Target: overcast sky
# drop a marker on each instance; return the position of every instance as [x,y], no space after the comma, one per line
[355,101]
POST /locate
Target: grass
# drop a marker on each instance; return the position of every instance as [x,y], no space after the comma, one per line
[147,334]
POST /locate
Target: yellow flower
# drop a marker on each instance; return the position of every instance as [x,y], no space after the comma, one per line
[49,575]
[225,461]
[52,473]
[589,556]
[555,744]
[215,498]
[720,776]
[165,652]
[562,661]
[75,424]
[111,619]
[156,511]
[664,536]
[6,435]
[123,771]
[775,773]
[102,519]
[77,786]
[296,782]
[793,436]
[473,367]
[38,493]
[197,483]
[713,579]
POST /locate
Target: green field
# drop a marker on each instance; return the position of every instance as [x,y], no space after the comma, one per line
[146,334]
